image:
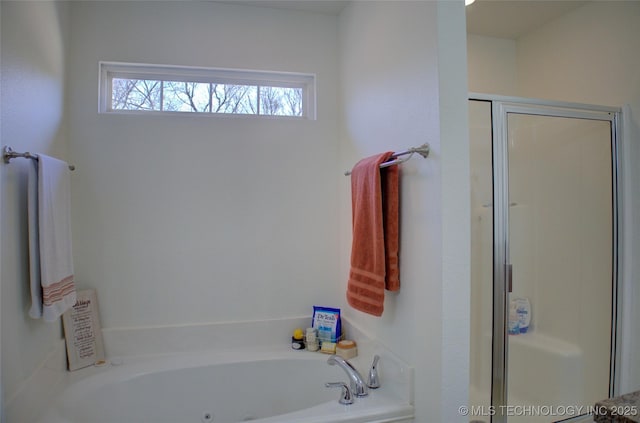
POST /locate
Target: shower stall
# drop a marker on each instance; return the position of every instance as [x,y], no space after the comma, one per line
[544,221]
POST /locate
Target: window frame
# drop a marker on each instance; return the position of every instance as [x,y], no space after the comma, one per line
[143,71]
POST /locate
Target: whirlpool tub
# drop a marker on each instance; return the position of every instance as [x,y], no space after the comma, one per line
[281,386]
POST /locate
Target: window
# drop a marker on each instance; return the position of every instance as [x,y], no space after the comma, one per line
[142,88]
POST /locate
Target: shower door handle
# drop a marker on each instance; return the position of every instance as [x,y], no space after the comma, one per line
[509,272]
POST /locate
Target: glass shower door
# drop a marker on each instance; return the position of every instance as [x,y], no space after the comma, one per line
[558,209]
[481,259]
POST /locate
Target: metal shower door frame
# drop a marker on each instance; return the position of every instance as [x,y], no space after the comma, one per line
[501,108]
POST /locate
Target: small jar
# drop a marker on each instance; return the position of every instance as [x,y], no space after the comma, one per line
[311,338]
[346,349]
[297,344]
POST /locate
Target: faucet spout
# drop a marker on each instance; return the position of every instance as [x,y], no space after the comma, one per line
[358,386]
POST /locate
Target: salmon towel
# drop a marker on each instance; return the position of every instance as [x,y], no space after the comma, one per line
[375,220]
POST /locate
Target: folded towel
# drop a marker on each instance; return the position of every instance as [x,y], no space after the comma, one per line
[34,240]
[391,224]
[50,261]
[374,251]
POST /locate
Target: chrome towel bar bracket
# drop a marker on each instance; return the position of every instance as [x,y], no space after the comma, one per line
[422,150]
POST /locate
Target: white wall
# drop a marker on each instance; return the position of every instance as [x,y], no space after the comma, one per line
[196,219]
[492,65]
[401,89]
[455,208]
[589,56]
[34,46]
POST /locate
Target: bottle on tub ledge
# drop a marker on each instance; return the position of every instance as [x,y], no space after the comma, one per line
[311,338]
[519,315]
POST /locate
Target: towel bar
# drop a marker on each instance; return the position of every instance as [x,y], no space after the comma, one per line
[423,150]
[8,154]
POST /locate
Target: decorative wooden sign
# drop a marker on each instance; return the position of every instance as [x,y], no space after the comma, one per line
[82,332]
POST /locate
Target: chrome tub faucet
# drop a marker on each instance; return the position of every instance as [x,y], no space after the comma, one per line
[358,386]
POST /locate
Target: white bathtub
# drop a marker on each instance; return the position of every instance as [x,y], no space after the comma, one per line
[264,386]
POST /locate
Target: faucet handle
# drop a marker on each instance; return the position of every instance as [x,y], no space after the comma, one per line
[374,380]
[346,397]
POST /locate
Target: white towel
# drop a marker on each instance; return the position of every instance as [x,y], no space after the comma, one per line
[50,263]
[34,241]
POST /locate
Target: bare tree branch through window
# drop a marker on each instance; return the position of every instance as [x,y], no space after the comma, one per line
[198,97]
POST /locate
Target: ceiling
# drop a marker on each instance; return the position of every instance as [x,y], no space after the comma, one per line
[329,7]
[514,18]
[494,18]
